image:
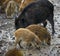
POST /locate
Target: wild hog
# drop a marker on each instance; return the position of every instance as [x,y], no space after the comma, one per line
[27,38]
[14,52]
[11,9]
[34,13]
[41,32]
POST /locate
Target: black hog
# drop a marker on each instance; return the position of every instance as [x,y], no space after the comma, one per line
[36,12]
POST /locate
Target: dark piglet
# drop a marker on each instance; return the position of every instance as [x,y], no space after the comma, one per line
[36,12]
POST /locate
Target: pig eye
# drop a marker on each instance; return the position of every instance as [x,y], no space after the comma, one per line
[23,20]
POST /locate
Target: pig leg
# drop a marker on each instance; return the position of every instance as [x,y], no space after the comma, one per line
[50,19]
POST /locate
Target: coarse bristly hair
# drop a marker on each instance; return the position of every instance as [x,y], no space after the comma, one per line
[41,32]
[35,13]
[14,52]
[27,36]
